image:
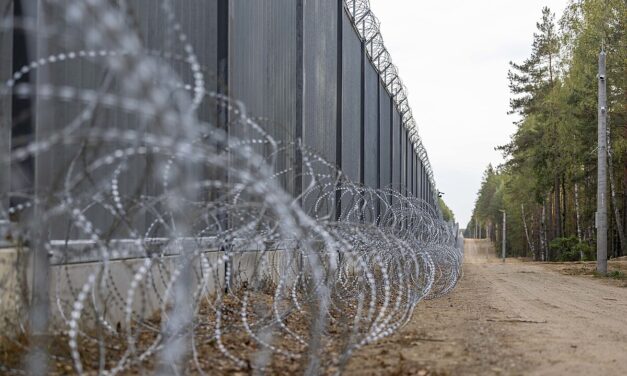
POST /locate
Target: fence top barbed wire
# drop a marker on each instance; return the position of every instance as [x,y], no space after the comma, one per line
[368,27]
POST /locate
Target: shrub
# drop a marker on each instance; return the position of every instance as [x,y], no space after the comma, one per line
[570,249]
[588,252]
[616,274]
[562,249]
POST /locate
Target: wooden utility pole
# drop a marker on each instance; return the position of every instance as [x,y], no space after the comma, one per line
[601,215]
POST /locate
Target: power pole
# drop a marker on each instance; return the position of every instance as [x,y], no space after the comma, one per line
[601,215]
[504,234]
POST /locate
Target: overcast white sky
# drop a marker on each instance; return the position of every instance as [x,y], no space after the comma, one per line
[453,57]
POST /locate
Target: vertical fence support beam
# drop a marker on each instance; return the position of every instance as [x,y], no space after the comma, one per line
[379,145]
[6,123]
[39,310]
[391,151]
[6,65]
[362,117]
[338,129]
[300,92]
[407,166]
[601,217]
[223,26]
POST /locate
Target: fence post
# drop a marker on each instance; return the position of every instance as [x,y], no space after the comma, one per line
[601,215]
[338,129]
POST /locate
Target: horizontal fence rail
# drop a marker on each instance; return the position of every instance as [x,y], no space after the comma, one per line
[208,187]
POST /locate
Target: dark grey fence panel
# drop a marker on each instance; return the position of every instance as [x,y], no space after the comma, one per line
[396,148]
[410,165]
[385,136]
[320,85]
[351,101]
[320,97]
[403,159]
[51,116]
[416,174]
[410,171]
[423,180]
[198,21]
[371,138]
[263,71]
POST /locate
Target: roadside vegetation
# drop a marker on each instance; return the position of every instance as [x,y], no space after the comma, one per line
[547,186]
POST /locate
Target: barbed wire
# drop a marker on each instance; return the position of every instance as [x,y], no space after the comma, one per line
[161,242]
[368,27]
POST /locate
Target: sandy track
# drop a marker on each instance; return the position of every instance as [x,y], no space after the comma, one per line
[509,318]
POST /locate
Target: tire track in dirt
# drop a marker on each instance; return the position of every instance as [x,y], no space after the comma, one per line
[508,318]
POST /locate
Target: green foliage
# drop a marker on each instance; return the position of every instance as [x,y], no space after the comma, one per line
[447,213]
[614,274]
[547,186]
[589,253]
[617,274]
[564,249]
[570,249]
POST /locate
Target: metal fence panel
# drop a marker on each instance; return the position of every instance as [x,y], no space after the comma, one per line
[410,173]
[320,97]
[403,159]
[396,148]
[320,85]
[385,136]
[351,101]
[263,71]
[371,138]
[87,71]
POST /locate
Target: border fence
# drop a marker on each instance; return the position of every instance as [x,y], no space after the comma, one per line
[208,186]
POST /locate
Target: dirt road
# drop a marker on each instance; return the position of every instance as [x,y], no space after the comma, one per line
[509,318]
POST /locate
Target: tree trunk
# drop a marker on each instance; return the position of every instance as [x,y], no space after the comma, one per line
[617,218]
[577,213]
[531,248]
[557,205]
[564,207]
[543,245]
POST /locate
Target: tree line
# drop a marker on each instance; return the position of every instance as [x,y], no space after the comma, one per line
[547,186]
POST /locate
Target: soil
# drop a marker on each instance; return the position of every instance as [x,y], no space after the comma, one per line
[512,318]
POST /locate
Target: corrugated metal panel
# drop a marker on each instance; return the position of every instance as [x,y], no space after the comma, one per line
[371,127]
[385,137]
[423,186]
[263,72]
[320,83]
[320,97]
[198,21]
[396,149]
[403,160]
[410,171]
[52,116]
[351,101]
[416,175]
[409,158]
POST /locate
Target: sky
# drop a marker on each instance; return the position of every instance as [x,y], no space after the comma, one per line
[453,56]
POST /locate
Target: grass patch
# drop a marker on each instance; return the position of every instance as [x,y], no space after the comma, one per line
[614,274]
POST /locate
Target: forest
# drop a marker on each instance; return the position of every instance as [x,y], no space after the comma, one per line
[547,184]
